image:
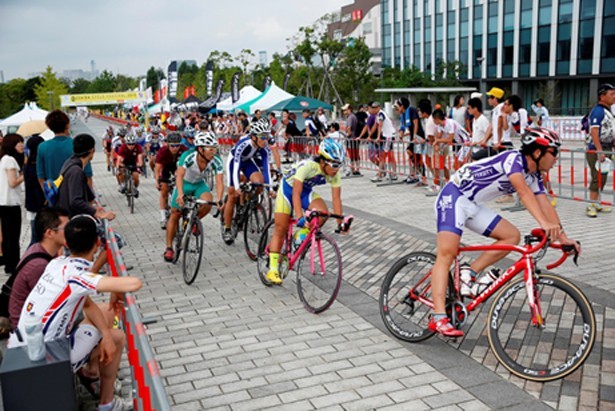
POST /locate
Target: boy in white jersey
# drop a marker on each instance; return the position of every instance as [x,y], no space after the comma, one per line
[460,204]
[63,291]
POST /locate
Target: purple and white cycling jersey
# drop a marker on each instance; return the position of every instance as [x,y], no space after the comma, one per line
[488,178]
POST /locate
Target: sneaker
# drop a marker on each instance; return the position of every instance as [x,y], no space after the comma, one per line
[421,184]
[163,224]
[432,190]
[376,179]
[357,173]
[590,211]
[121,189]
[444,327]
[119,404]
[228,236]
[135,192]
[394,177]
[273,276]
[411,180]
[169,255]
[602,209]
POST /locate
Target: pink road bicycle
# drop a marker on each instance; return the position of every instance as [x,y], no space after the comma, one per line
[540,326]
[318,260]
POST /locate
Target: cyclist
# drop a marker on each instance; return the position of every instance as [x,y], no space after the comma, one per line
[166,165]
[116,143]
[153,143]
[460,205]
[141,138]
[295,195]
[243,158]
[130,155]
[191,172]
[188,140]
[106,140]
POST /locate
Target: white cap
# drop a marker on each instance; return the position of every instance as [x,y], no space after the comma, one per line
[476,95]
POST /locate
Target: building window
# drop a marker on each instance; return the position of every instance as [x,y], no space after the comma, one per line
[565,11]
[478,20]
[608,45]
[367,27]
[337,34]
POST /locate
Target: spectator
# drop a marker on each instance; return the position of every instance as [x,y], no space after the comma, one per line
[243,123]
[449,132]
[334,132]
[492,138]
[52,154]
[542,113]
[257,116]
[11,177]
[411,126]
[508,123]
[480,124]
[49,225]
[386,139]
[370,130]
[352,142]
[469,118]
[93,338]
[310,127]
[35,199]
[430,128]
[458,112]
[274,123]
[322,117]
[602,134]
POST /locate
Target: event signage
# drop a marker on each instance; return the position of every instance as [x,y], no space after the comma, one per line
[209,77]
[102,98]
[235,87]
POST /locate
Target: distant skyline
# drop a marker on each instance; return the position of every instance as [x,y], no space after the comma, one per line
[130,37]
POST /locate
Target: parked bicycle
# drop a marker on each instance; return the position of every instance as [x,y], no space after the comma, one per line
[189,237]
[318,282]
[541,327]
[250,217]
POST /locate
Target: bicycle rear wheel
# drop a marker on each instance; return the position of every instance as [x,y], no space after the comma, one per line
[193,251]
[318,289]
[253,227]
[262,260]
[404,316]
[544,353]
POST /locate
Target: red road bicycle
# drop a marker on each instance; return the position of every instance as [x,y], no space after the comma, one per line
[541,327]
[318,280]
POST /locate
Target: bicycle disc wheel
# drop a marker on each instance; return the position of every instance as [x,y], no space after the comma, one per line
[193,251]
[317,290]
[253,227]
[262,260]
[544,353]
[404,316]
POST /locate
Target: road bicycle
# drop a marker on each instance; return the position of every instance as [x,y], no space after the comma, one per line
[130,191]
[249,217]
[540,326]
[319,279]
[189,237]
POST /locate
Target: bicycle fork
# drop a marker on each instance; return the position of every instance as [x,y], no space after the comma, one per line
[315,244]
[533,299]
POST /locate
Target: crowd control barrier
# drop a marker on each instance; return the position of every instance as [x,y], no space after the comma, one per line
[148,389]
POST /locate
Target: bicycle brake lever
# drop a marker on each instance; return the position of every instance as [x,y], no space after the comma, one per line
[568,248]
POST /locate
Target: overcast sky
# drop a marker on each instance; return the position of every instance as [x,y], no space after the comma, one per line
[130,36]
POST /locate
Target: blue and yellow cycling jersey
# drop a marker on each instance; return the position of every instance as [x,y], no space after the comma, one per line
[311,175]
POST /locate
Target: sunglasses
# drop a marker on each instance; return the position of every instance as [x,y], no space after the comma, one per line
[263,136]
[130,144]
[174,145]
[333,164]
[554,152]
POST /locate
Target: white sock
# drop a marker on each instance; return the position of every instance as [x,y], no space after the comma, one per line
[106,407]
[163,215]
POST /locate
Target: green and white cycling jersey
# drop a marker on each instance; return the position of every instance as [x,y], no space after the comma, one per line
[194,174]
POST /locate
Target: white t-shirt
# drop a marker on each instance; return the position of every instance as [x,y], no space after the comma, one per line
[450,126]
[323,119]
[479,129]
[459,114]
[9,196]
[495,117]
[388,130]
[58,297]
[430,127]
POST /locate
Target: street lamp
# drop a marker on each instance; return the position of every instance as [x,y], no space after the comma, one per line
[50,94]
[479,61]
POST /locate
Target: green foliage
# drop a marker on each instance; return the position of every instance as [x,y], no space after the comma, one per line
[153,77]
[104,83]
[353,76]
[15,93]
[79,86]
[49,89]
[124,83]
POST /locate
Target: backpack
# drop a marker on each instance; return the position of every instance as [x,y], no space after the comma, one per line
[585,124]
[51,188]
[5,293]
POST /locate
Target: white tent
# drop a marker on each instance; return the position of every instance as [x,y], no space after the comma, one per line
[245,94]
[158,108]
[29,112]
[270,97]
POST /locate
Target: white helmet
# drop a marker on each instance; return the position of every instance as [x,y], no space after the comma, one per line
[131,139]
[206,139]
[261,126]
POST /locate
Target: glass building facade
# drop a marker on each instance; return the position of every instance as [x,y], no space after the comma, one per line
[518,45]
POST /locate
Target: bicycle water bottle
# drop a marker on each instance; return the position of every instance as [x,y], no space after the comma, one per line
[485,280]
[467,277]
[34,337]
[300,235]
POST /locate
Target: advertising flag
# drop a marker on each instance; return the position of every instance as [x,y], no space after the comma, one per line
[209,77]
[235,87]
[266,82]
[286,78]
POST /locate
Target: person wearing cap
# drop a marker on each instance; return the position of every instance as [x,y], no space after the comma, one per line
[602,134]
[495,98]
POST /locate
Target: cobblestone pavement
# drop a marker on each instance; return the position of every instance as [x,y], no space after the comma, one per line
[227,342]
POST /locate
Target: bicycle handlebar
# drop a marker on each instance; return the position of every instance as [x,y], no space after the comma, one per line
[538,234]
[198,201]
[343,227]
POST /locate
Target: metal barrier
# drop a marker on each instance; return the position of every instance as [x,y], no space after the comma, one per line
[148,389]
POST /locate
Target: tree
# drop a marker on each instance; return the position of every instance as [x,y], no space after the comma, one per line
[245,59]
[79,86]
[48,91]
[123,83]
[185,77]
[104,83]
[153,77]
[353,76]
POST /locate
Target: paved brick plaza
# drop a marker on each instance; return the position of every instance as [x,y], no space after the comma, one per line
[227,342]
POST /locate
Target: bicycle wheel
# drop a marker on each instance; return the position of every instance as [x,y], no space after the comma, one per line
[267,203]
[193,250]
[544,353]
[406,317]
[262,260]
[253,227]
[318,289]
[179,238]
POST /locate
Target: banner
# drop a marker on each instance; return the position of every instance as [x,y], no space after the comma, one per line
[219,89]
[192,90]
[186,92]
[209,77]
[102,98]
[286,78]
[235,87]
[266,82]
[172,76]
[157,96]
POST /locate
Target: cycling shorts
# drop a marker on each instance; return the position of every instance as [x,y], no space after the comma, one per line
[195,190]
[83,339]
[247,167]
[284,200]
[454,212]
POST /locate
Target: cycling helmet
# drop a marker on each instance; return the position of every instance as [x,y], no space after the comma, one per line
[206,139]
[189,132]
[155,130]
[331,150]
[122,132]
[174,138]
[542,137]
[131,139]
[261,126]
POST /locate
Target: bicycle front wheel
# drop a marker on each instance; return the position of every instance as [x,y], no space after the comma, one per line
[262,260]
[193,251]
[253,227]
[547,352]
[319,273]
[403,314]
